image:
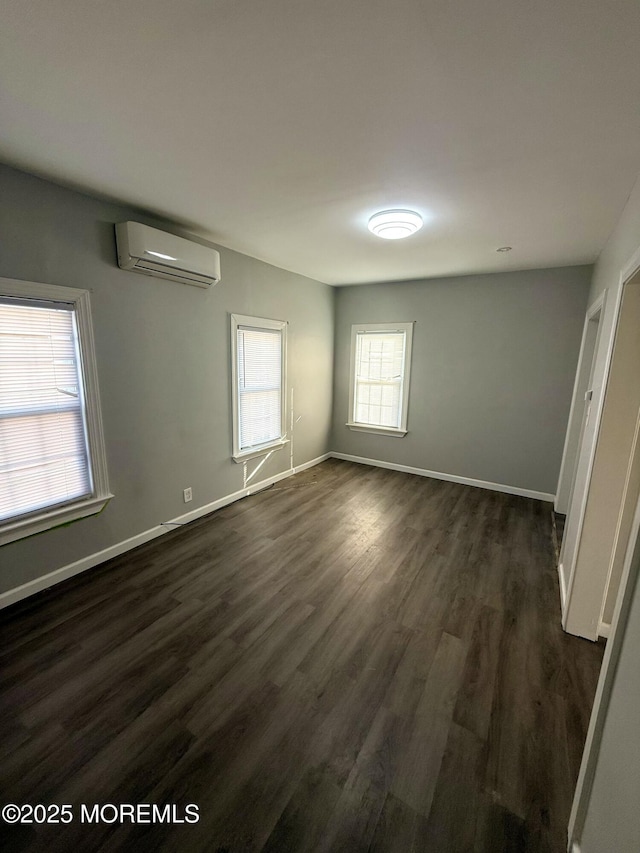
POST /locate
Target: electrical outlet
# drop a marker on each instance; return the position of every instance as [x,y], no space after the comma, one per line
[188,495]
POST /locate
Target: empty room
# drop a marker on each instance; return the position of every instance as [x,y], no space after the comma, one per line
[319,426]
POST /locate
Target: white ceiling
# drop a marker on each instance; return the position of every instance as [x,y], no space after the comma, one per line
[276,127]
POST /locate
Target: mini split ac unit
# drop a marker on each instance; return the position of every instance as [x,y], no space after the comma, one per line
[153,252]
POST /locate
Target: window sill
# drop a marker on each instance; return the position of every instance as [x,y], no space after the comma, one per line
[254,452]
[47,519]
[378,430]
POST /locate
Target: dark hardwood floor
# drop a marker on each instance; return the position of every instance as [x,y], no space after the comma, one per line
[353,660]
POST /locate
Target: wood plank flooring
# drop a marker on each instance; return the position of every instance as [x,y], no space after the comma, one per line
[353,660]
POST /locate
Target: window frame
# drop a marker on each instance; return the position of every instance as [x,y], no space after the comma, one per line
[259,323]
[27,524]
[379,429]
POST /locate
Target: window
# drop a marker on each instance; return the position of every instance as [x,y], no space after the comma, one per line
[379,391]
[52,459]
[259,371]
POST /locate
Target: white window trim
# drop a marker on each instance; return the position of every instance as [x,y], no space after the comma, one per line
[407,328]
[238,320]
[54,516]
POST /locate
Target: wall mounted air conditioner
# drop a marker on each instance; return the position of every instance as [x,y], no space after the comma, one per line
[153,252]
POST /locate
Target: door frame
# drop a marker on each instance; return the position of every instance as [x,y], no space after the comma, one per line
[630,573]
[587,624]
[604,689]
[586,451]
[566,478]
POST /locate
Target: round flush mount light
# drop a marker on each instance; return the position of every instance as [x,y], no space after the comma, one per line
[504,249]
[395,224]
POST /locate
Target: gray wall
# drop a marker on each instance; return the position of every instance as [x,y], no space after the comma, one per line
[613,817]
[494,360]
[621,245]
[163,365]
[612,823]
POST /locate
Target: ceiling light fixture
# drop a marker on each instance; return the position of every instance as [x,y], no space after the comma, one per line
[395,224]
[504,249]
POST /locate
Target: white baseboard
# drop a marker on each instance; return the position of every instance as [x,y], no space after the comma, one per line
[451,478]
[58,575]
[11,596]
[563,586]
[604,630]
[311,463]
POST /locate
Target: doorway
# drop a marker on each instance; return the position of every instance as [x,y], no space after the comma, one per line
[576,461]
[582,397]
[606,485]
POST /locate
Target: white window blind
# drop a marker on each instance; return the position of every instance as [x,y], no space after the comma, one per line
[379,376]
[43,445]
[259,372]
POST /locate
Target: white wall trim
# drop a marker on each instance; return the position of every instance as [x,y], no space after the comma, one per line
[239,321]
[593,311]
[563,586]
[451,478]
[52,516]
[604,629]
[311,463]
[578,506]
[574,620]
[405,376]
[618,542]
[576,510]
[58,575]
[11,596]
[582,795]
[36,585]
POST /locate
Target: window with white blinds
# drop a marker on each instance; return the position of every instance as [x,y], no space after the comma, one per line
[259,349]
[45,463]
[380,363]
